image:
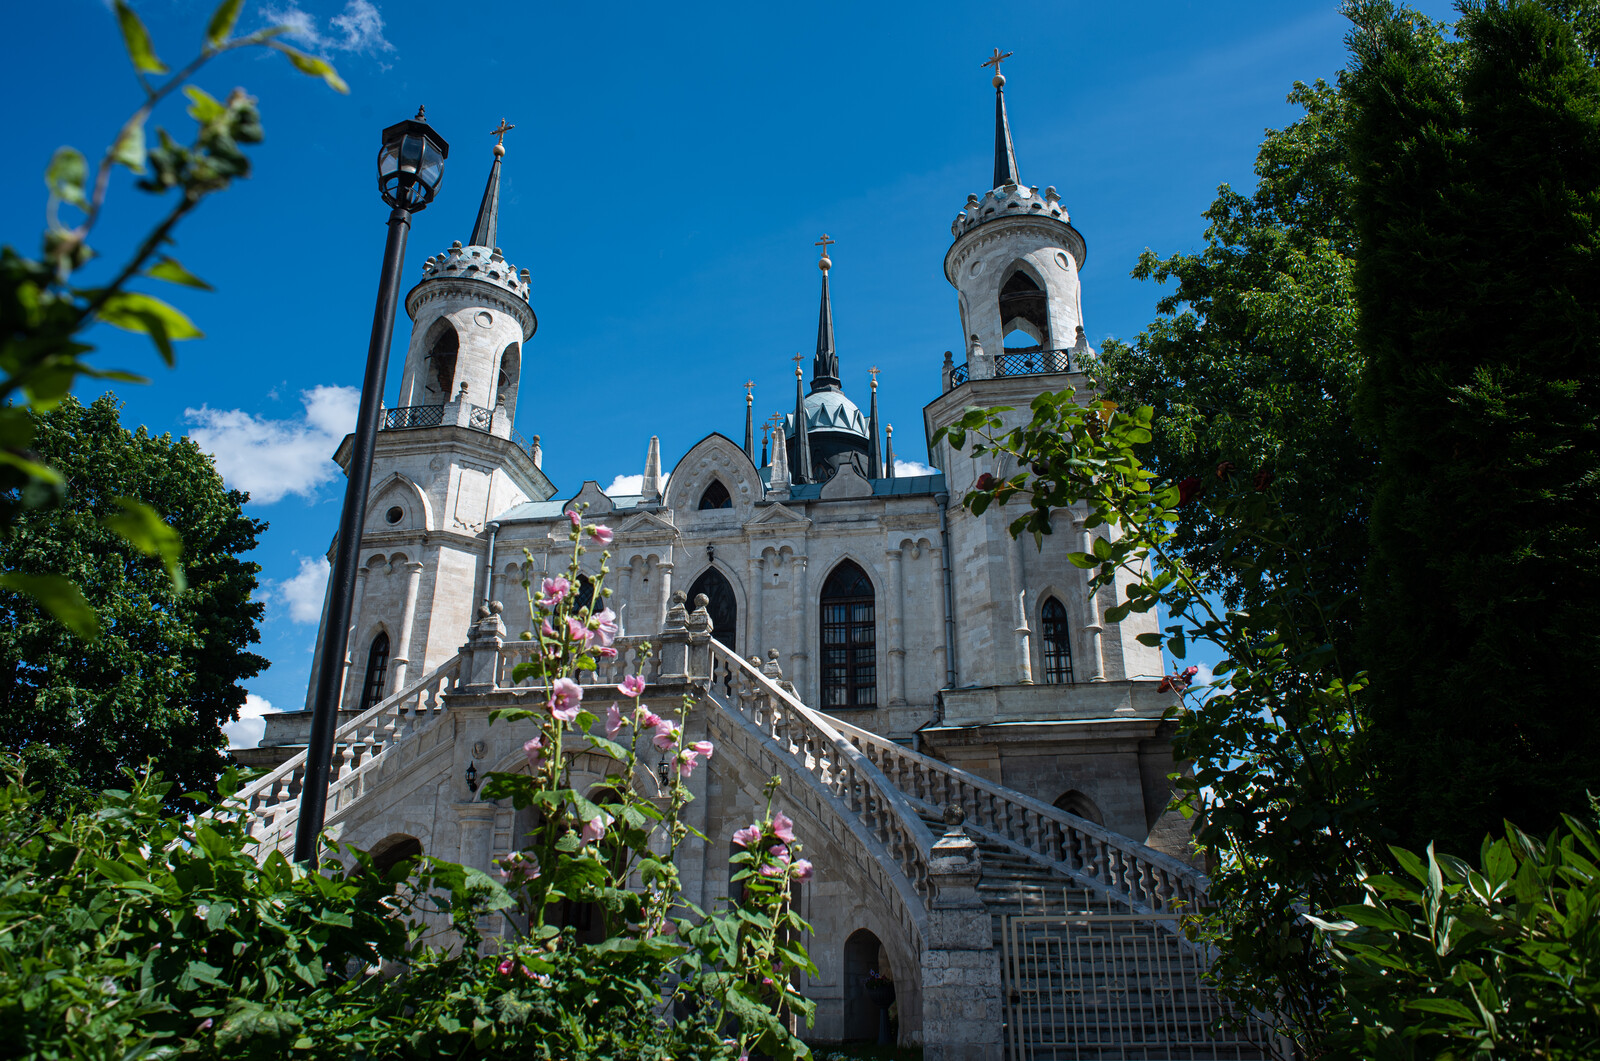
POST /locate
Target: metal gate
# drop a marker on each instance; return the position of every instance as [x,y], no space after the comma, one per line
[1112,987]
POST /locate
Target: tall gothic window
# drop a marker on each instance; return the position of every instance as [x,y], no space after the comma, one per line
[377,667]
[716,496]
[721,605]
[849,639]
[1057,644]
[1024,313]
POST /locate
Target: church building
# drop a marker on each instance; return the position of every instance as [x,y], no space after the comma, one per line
[935,661]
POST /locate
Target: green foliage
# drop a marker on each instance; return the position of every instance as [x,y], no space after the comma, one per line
[1444,960]
[44,311]
[1477,200]
[167,671]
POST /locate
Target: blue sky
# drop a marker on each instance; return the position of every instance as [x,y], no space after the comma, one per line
[671,167]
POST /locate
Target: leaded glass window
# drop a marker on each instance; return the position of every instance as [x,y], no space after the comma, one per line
[849,639]
[377,668]
[716,496]
[1057,643]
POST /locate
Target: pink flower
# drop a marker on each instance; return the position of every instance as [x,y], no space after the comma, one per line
[802,869]
[769,870]
[633,686]
[686,761]
[748,835]
[577,632]
[606,625]
[533,751]
[506,966]
[647,719]
[556,589]
[665,737]
[613,721]
[601,533]
[783,828]
[595,827]
[702,747]
[565,696]
[547,630]
[518,866]
[577,520]
[779,852]
[607,651]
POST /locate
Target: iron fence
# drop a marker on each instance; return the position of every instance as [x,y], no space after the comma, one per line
[413,416]
[480,419]
[1020,363]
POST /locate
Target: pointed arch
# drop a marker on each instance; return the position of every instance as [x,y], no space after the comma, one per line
[508,381]
[395,488]
[715,495]
[1024,309]
[1074,802]
[1055,642]
[377,670]
[849,638]
[721,604]
[443,343]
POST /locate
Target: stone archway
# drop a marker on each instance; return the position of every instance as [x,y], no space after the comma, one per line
[722,605]
[864,954]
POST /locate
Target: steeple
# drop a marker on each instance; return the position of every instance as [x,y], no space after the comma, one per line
[1005,155]
[778,481]
[651,487]
[485,231]
[888,460]
[766,429]
[749,423]
[801,472]
[825,366]
[874,469]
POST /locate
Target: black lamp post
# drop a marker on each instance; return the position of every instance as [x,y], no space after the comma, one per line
[410,168]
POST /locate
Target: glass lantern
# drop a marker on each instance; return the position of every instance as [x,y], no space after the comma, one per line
[411,163]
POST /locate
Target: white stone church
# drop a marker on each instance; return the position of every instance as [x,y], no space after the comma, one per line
[976,759]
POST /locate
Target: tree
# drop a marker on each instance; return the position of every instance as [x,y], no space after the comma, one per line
[164,674]
[1477,200]
[1254,362]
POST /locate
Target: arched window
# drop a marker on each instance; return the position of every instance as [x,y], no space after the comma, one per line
[1075,802]
[377,667]
[1057,644]
[721,605]
[386,853]
[1024,314]
[849,639]
[442,358]
[506,384]
[716,496]
[583,596]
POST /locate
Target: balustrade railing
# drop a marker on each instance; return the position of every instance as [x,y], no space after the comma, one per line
[606,672]
[413,416]
[837,764]
[273,802]
[1019,363]
[1145,879]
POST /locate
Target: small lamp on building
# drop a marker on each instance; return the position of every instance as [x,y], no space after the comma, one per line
[472,778]
[410,169]
[664,772]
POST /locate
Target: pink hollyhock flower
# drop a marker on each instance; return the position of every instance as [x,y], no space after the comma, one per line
[769,870]
[686,761]
[648,719]
[702,747]
[556,589]
[665,738]
[601,533]
[802,869]
[613,721]
[577,520]
[577,632]
[779,852]
[748,835]
[547,630]
[533,750]
[565,695]
[783,827]
[633,686]
[607,651]
[518,866]
[506,966]
[606,625]
[595,827]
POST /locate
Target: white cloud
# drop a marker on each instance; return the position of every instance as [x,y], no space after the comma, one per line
[248,731]
[631,484]
[303,592]
[274,458]
[907,469]
[358,28]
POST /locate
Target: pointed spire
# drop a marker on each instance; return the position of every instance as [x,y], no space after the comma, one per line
[1005,155]
[486,230]
[778,481]
[825,366]
[874,468]
[766,429]
[802,443]
[888,459]
[749,422]
[651,489]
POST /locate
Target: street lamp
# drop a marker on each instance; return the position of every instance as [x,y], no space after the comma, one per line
[410,169]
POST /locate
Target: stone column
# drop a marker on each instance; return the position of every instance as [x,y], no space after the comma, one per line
[1091,604]
[356,600]
[897,631]
[1024,646]
[1017,571]
[663,594]
[480,664]
[936,568]
[624,595]
[755,640]
[674,643]
[961,982]
[476,821]
[408,619]
[797,657]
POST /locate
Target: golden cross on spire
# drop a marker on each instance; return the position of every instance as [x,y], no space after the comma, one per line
[749,385]
[501,132]
[825,242]
[797,358]
[873,372]
[996,59]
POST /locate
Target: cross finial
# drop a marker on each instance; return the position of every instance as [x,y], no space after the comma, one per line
[749,385]
[501,131]
[996,59]
[873,372]
[825,242]
[797,358]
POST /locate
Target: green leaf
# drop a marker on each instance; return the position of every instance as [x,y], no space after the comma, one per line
[1446,1006]
[137,40]
[169,270]
[135,311]
[1083,560]
[222,20]
[129,147]
[66,175]
[203,106]
[59,596]
[309,64]
[1152,640]
[141,527]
